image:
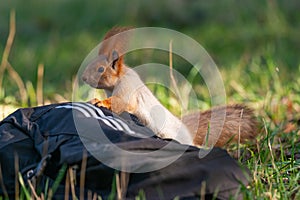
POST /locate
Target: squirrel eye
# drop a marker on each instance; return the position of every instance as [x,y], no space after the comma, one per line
[101,69]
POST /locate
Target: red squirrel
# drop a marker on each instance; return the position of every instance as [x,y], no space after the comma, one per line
[126,92]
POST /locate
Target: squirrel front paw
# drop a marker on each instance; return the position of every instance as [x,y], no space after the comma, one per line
[94,101]
[105,103]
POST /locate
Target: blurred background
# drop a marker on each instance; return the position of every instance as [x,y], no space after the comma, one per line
[255,43]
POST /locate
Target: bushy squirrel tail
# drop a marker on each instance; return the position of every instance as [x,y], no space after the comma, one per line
[206,127]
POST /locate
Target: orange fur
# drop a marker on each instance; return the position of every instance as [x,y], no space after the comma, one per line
[104,103]
[116,30]
[239,125]
[118,42]
[119,66]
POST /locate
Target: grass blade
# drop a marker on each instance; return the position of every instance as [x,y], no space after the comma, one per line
[57,181]
[24,189]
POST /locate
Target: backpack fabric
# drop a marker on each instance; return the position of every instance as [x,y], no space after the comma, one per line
[38,142]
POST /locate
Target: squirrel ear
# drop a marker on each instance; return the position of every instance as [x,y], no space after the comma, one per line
[115,55]
[116,60]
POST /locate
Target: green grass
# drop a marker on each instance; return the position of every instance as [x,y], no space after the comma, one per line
[255,45]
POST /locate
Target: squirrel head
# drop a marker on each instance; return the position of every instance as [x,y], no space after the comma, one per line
[104,71]
[108,67]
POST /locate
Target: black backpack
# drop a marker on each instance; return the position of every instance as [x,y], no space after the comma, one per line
[79,139]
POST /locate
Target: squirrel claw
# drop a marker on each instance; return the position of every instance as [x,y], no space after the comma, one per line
[94,101]
[105,103]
